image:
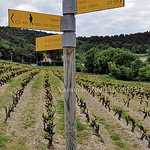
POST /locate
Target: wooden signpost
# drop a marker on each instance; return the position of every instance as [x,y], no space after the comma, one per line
[67,41]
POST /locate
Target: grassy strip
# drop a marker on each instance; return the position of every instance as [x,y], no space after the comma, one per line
[4,99]
[82,131]
[113,135]
[28,117]
[36,86]
[3,140]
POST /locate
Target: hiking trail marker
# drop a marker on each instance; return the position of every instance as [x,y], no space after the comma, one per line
[84,6]
[31,20]
[49,43]
[67,41]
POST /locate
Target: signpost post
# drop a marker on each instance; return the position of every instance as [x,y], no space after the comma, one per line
[69,44]
[67,41]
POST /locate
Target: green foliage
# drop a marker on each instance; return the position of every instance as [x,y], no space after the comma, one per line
[3,140]
[138,70]
[148,75]
[117,56]
[89,59]
[126,73]
[136,43]
[83,46]
[125,65]
[80,126]
[117,61]
[143,74]
[124,58]
[115,72]
[116,108]
[16,41]
[1,55]
[135,65]
[115,137]
[4,44]
[29,48]
[148,59]
[79,67]
[148,51]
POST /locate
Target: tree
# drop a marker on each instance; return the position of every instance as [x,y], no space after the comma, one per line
[115,55]
[143,73]
[148,75]
[148,51]
[121,72]
[148,59]
[115,72]
[136,65]
[4,48]
[79,67]
[102,58]
[89,59]
[126,73]
[1,55]
[29,53]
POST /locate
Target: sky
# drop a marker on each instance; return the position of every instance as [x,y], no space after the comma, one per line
[134,17]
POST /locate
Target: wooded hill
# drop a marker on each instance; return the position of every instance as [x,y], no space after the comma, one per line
[21,43]
[136,43]
[96,54]
[20,37]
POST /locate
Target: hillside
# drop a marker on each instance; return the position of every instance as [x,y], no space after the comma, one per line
[20,37]
[21,44]
[136,43]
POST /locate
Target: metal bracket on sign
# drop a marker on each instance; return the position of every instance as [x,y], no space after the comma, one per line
[69,6]
[68,23]
[69,40]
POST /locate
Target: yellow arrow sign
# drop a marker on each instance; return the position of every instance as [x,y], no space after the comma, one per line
[31,20]
[84,6]
[49,43]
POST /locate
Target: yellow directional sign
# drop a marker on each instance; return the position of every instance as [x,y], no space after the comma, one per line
[31,20]
[53,42]
[84,6]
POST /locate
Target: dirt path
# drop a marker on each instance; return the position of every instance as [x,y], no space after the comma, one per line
[3,89]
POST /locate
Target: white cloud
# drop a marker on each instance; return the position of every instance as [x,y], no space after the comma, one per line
[26,7]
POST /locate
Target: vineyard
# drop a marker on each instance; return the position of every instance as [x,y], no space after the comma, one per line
[111,115]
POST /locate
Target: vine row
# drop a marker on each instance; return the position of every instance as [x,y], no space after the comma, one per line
[18,93]
[48,117]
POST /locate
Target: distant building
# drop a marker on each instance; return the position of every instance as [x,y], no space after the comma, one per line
[47,60]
